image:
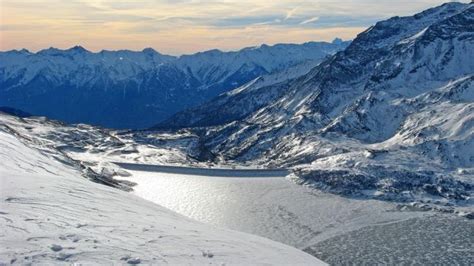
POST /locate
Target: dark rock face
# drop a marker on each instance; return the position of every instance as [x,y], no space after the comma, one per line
[13,111]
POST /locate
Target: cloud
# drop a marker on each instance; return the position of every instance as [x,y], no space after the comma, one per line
[290,13]
[310,20]
[243,21]
[182,26]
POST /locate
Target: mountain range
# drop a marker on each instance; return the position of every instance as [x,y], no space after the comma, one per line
[128,89]
[391,116]
[391,113]
[388,116]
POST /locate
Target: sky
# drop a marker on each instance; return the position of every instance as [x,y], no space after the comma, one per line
[188,26]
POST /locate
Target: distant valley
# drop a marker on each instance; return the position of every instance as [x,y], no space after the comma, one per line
[136,90]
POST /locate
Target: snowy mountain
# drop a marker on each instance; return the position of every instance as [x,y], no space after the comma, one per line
[52,215]
[391,116]
[238,103]
[127,89]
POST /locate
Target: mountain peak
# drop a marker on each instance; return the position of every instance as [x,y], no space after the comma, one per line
[56,51]
[22,51]
[337,41]
[78,49]
[213,51]
[50,50]
[149,50]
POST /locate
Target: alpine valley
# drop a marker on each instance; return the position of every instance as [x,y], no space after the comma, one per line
[128,89]
[391,116]
[357,152]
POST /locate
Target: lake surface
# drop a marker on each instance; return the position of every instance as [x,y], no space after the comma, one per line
[320,223]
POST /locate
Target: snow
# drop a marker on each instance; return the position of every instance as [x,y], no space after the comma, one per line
[389,119]
[91,144]
[51,214]
[160,85]
[271,207]
[385,118]
[414,37]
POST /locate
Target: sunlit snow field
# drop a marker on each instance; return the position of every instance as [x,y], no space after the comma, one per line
[334,228]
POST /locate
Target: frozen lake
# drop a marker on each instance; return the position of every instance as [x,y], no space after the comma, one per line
[267,204]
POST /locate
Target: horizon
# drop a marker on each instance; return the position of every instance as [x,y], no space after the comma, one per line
[162,53]
[187,27]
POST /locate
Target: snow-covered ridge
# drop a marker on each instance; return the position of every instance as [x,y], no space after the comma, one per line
[95,148]
[136,89]
[51,214]
[389,117]
[238,103]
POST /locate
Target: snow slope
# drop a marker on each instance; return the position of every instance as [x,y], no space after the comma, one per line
[44,176]
[92,149]
[51,214]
